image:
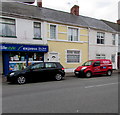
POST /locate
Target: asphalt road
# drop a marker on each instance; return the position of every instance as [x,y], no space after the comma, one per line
[72,95]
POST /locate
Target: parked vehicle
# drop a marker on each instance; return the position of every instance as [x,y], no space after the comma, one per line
[94,67]
[37,71]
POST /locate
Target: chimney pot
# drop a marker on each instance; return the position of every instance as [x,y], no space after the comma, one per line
[118,21]
[75,10]
[39,3]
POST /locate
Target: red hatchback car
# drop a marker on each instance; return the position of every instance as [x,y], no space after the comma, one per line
[94,67]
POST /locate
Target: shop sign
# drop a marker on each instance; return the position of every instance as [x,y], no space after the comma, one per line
[19,47]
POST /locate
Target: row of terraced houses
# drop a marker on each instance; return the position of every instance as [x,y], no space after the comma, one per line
[31,34]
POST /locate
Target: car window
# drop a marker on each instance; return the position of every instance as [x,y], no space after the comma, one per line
[88,63]
[97,63]
[50,65]
[37,66]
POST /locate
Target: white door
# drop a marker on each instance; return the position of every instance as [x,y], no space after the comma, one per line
[54,57]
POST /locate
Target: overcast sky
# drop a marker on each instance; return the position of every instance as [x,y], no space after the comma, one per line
[100,9]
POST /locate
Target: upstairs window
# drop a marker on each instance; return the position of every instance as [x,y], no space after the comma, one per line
[113,39]
[72,34]
[8,28]
[100,38]
[113,58]
[37,30]
[52,31]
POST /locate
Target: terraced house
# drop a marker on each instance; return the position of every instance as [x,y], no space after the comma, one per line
[32,33]
[116,26]
[67,36]
[103,41]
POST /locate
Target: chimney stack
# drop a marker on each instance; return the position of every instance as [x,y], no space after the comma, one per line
[75,10]
[118,21]
[39,3]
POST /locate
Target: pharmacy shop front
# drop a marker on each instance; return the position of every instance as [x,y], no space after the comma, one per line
[19,56]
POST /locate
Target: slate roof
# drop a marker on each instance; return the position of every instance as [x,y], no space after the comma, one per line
[51,15]
[97,24]
[113,25]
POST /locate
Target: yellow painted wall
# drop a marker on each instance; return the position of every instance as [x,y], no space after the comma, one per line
[61,48]
[84,38]
[84,31]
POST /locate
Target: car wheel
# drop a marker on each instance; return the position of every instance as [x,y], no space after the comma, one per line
[109,73]
[88,74]
[21,80]
[58,77]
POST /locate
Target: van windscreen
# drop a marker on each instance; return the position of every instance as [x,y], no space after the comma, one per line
[88,63]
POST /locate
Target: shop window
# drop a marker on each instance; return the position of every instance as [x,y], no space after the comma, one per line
[8,28]
[35,57]
[17,61]
[17,56]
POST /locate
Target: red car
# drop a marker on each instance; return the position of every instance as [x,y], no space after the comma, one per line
[94,67]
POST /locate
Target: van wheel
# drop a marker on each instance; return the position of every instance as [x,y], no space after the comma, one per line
[21,80]
[88,74]
[58,77]
[109,73]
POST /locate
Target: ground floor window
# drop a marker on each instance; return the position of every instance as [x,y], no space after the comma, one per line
[19,60]
[113,58]
[73,56]
[100,56]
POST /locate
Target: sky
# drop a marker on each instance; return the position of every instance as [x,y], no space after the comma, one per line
[99,9]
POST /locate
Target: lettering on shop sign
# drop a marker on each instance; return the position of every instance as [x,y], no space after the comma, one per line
[7,48]
[18,47]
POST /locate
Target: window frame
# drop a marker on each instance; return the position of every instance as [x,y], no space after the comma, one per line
[72,31]
[118,39]
[73,55]
[113,39]
[1,22]
[113,57]
[55,36]
[37,38]
[100,56]
[100,38]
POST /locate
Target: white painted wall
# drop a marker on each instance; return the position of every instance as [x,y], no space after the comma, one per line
[25,33]
[108,49]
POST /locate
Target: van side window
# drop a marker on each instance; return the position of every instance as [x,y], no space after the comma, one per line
[97,63]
